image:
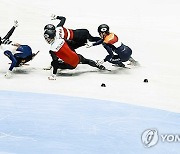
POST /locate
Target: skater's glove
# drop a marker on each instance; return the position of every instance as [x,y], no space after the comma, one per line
[47,68]
[16,23]
[53,17]
[88,45]
[52,77]
[8,74]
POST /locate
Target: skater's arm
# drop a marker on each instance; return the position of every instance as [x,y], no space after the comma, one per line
[98,42]
[62,21]
[8,35]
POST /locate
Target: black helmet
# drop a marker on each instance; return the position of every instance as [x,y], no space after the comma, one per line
[103,28]
[49,35]
[49,27]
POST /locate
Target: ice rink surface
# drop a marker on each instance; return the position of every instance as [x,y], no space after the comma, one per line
[47,123]
[74,114]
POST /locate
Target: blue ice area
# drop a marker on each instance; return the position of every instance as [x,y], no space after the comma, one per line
[32,123]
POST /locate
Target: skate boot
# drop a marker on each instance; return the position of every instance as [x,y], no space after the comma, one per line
[133,62]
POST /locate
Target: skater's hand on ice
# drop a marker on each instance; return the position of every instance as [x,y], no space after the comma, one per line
[88,45]
[8,74]
[16,23]
[53,17]
[52,77]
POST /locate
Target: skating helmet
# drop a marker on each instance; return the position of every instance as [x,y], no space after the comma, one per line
[49,27]
[49,35]
[103,28]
